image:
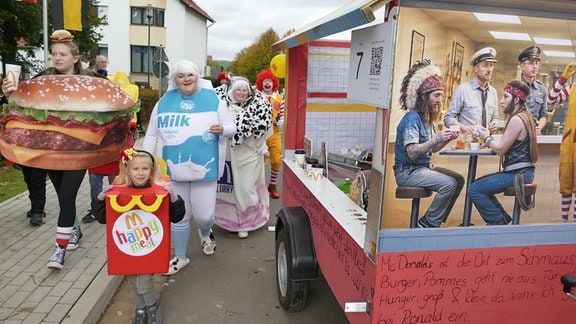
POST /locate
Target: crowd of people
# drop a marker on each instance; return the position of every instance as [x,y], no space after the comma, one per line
[234,128]
[216,161]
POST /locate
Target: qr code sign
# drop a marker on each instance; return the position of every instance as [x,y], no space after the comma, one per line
[376,61]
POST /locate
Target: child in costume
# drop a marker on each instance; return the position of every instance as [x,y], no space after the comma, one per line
[558,95]
[267,84]
[138,170]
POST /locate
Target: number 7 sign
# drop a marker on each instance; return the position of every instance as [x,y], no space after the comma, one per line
[371,54]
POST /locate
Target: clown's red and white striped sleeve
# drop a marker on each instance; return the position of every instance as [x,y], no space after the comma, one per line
[560,92]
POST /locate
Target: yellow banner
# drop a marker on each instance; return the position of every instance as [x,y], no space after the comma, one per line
[72,14]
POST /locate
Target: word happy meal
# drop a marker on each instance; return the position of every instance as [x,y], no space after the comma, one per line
[136,232]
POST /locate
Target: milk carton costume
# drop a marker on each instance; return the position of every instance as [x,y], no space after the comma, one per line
[179,132]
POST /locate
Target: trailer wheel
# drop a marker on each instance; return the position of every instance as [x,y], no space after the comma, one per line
[292,295]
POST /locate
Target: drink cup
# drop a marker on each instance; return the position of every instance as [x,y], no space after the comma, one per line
[317,173]
[309,162]
[474,146]
[300,158]
[13,73]
[461,143]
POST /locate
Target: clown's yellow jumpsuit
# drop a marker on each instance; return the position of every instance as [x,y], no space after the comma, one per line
[274,142]
[567,169]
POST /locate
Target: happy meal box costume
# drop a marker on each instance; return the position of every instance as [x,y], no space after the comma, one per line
[138,228]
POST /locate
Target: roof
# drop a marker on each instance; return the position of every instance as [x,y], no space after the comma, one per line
[351,15]
[192,5]
[359,12]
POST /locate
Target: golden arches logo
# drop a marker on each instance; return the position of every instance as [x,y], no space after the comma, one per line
[136,201]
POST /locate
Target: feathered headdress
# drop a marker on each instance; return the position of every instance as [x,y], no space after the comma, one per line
[422,78]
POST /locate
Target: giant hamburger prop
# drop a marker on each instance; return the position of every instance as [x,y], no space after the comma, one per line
[65,122]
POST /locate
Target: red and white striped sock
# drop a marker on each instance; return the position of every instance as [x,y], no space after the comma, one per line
[281,113]
[63,236]
[566,200]
[273,176]
[574,214]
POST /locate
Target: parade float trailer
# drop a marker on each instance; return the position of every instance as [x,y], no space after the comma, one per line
[379,269]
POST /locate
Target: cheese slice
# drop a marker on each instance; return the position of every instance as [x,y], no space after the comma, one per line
[24,154]
[83,134]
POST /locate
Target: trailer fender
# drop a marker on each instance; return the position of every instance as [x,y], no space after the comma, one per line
[296,225]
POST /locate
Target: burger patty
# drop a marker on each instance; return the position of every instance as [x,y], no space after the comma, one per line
[56,141]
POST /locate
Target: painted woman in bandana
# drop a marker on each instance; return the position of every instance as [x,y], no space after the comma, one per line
[189,128]
[243,203]
[518,145]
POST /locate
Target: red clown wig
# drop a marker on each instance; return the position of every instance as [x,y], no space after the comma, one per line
[263,75]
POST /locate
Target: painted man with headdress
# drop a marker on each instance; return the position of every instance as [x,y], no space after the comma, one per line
[416,140]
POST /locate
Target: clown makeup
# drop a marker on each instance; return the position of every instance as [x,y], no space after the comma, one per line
[267,85]
[139,170]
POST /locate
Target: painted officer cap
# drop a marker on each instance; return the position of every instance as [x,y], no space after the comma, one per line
[530,52]
[486,54]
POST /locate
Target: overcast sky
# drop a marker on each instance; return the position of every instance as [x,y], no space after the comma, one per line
[240,22]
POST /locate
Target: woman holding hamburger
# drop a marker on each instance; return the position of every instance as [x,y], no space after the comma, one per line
[64,171]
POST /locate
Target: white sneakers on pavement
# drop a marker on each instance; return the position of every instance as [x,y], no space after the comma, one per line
[208,244]
[176,264]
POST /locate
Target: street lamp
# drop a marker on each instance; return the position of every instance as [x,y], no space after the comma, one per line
[149,15]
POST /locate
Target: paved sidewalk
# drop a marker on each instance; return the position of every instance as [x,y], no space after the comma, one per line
[32,293]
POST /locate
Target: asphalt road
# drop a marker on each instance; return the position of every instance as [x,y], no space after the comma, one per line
[235,285]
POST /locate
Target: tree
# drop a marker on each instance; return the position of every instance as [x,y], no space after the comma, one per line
[256,57]
[20,27]
[21,33]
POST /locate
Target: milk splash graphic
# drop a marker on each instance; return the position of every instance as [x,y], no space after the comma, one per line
[137,232]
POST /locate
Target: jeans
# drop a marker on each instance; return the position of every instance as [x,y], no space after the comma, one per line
[446,183]
[482,193]
[96,183]
[143,290]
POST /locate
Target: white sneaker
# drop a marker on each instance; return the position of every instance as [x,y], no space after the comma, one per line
[243,234]
[208,244]
[176,264]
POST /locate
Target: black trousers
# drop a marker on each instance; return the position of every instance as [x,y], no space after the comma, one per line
[36,182]
[67,184]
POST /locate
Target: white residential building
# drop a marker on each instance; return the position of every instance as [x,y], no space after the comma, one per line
[179,26]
